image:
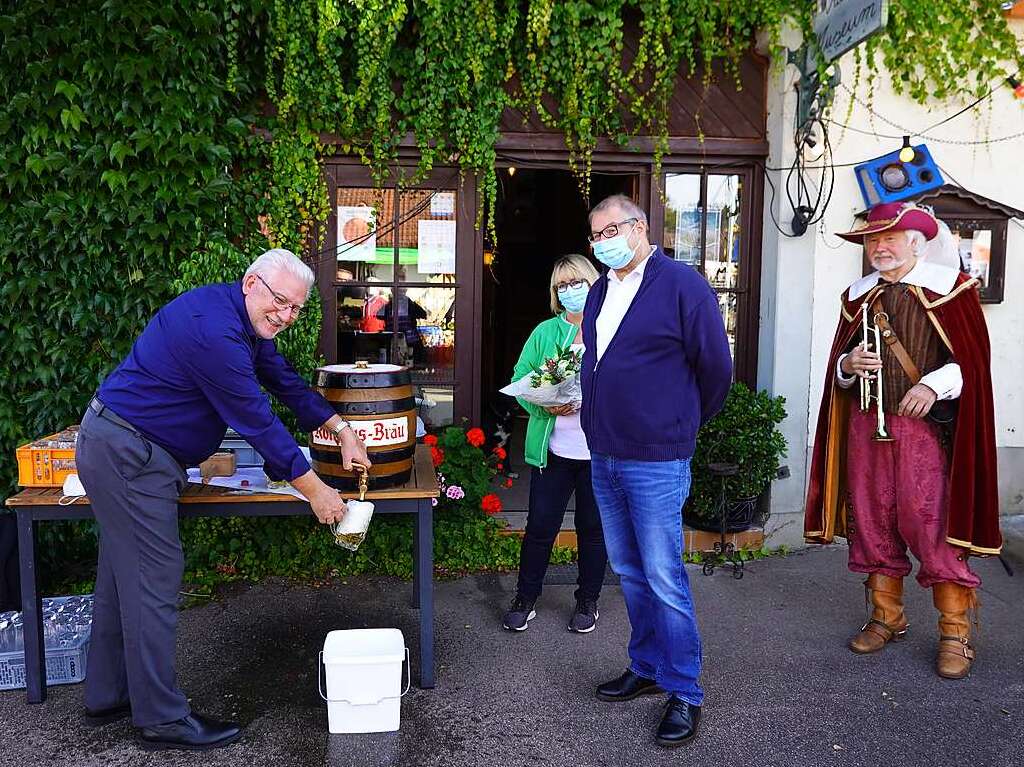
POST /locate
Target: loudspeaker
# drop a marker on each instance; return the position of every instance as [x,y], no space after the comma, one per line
[887,179]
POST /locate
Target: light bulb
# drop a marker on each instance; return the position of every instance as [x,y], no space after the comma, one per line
[907,152]
[511,170]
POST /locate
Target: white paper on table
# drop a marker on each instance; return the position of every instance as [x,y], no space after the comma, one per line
[257,482]
[547,395]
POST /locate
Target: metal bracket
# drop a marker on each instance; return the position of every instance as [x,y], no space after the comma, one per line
[813,95]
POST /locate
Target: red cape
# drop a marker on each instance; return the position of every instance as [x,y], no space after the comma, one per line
[973,518]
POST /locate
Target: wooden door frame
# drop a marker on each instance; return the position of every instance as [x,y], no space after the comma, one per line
[468,243]
[743,160]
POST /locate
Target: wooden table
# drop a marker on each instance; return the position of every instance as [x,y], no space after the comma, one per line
[34,505]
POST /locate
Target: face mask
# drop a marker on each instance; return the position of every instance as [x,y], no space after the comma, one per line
[615,252]
[574,299]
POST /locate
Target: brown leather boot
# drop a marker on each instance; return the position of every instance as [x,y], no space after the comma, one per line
[887,622]
[955,652]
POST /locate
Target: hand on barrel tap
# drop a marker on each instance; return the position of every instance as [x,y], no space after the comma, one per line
[861,362]
[352,448]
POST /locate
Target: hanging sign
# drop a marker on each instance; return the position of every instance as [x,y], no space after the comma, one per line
[843,24]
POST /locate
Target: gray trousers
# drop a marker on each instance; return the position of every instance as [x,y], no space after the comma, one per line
[134,487]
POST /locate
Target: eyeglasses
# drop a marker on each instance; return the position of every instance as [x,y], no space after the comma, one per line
[282,302]
[612,230]
[575,284]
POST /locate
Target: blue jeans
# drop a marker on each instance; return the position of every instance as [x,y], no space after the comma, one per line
[641,513]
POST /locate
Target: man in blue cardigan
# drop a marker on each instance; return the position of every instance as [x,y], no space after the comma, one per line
[657,366]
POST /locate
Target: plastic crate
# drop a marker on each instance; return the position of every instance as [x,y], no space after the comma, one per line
[245,454]
[64,665]
[48,461]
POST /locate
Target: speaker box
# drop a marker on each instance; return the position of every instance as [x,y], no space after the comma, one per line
[887,179]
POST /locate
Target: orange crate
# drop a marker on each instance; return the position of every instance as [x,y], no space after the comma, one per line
[48,461]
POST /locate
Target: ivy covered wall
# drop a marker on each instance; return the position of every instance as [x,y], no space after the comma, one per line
[141,140]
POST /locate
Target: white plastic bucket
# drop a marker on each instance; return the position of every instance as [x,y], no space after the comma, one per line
[364,679]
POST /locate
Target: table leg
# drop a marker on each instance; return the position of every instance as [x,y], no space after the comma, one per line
[31,610]
[424,585]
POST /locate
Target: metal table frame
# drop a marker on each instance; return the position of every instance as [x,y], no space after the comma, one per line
[30,514]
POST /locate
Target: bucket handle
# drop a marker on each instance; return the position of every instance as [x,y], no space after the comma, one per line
[320,682]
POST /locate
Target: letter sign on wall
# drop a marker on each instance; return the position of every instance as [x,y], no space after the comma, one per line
[843,24]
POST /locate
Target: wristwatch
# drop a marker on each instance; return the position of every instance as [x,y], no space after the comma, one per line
[337,430]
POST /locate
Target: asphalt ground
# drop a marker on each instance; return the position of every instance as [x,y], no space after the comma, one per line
[782,689]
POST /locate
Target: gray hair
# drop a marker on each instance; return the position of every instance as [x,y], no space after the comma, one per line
[281,260]
[916,240]
[623,203]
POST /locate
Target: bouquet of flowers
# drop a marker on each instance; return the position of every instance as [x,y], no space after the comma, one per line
[556,382]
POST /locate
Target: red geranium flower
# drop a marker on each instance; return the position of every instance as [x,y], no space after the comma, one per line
[491,503]
[437,455]
[475,436]
[508,483]
[500,452]
[430,439]
[500,467]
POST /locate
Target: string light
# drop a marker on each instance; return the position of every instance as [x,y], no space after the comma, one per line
[907,152]
[1017,86]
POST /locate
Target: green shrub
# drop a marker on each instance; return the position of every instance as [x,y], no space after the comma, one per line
[746,433]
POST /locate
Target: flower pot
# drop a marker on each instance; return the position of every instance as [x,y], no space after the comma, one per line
[741,514]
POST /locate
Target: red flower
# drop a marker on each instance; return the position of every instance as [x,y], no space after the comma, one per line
[430,439]
[508,483]
[475,436]
[500,467]
[491,503]
[500,452]
[437,455]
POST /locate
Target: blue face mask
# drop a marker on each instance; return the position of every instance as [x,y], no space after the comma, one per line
[574,299]
[614,252]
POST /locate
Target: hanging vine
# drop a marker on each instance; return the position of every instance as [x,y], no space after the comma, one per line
[443,72]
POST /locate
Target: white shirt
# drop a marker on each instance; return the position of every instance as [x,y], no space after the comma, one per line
[617,301]
[567,439]
[948,380]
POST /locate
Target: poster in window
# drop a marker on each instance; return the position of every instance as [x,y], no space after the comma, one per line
[357,235]
[688,236]
[435,244]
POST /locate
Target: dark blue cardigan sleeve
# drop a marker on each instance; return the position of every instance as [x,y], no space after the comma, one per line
[707,348]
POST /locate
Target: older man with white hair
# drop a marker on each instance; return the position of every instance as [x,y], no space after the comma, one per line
[197,368]
[910,471]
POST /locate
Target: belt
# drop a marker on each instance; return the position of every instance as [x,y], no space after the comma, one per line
[105,412]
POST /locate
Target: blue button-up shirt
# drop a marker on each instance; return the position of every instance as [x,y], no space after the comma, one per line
[197,368]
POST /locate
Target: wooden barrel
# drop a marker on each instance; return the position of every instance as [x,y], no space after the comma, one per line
[378,401]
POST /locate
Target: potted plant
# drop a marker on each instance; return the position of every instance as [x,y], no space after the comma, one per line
[744,433]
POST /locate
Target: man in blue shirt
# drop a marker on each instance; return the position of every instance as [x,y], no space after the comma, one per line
[656,367]
[197,368]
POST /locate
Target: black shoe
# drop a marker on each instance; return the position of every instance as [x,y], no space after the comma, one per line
[679,724]
[94,717]
[519,614]
[584,617]
[193,733]
[627,687]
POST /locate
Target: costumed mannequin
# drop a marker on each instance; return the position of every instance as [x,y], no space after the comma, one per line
[916,470]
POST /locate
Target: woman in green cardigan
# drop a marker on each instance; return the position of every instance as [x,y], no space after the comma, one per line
[557,451]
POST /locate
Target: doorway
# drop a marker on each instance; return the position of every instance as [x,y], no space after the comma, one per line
[540,215]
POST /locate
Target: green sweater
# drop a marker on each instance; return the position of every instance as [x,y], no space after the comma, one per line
[544,342]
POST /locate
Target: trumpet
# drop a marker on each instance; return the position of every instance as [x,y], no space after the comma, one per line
[875,382]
